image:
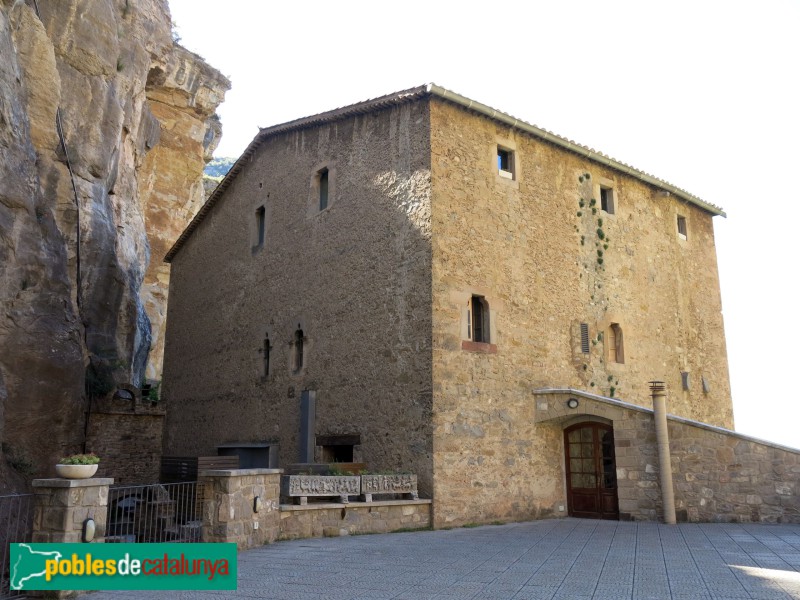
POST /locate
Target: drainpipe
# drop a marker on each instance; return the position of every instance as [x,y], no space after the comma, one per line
[658,392]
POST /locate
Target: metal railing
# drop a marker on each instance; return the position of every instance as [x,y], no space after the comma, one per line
[16,526]
[161,512]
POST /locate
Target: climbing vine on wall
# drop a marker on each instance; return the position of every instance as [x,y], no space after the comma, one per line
[591,229]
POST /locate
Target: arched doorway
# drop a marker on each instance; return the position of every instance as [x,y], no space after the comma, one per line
[591,471]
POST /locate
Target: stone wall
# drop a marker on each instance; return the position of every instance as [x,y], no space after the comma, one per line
[229,510]
[521,244]
[724,477]
[355,278]
[418,221]
[718,475]
[334,519]
[127,436]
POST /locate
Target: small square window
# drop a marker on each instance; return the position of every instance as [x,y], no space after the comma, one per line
[682,227]
[607,199]
[505,162]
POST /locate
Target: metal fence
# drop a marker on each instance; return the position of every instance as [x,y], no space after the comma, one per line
[161,512]
[16,526]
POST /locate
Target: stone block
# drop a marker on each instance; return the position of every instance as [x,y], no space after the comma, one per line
[80,515]
[57,519]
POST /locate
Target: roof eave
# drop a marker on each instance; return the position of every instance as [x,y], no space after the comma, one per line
[549,136]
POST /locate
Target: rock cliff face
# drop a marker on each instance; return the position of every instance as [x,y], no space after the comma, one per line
[183,95]
[74,249]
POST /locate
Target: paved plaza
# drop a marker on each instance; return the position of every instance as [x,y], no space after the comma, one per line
[569,559]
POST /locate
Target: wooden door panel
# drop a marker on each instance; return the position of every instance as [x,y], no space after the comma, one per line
[585,503]
[591,471]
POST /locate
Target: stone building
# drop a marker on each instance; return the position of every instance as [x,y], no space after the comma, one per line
[446,278]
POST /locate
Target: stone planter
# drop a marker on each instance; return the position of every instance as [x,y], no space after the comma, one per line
[389,484]
[76,471]
[300,487]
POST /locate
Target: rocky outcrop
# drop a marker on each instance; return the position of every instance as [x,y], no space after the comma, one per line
[183,95]
[73,245]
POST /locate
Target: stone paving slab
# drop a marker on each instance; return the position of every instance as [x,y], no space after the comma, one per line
[565,559]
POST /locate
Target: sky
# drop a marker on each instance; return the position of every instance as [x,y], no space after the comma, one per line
[702,94]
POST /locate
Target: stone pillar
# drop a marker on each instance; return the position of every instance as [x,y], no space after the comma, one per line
[230,511]
[658,392]
[308,418]
[62,505]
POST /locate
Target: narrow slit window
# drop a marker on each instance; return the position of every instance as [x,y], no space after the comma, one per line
[682,227]
[585,338]
[607,200]
[266,350]
[479,323]
[505,162]
[297,363]
[261,215]
[615,346]
[323,189]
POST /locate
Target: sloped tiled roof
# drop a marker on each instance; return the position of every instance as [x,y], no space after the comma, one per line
[410,95]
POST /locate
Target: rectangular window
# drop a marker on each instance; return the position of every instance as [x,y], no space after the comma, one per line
[480,331]
[338,448]
[479,337]
[616,352]
[323,189]
[505,162]
[261,214]
[682,227]
[584,338]
[607,199]
[685,380]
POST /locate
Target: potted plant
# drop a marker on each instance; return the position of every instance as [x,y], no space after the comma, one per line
[78,466]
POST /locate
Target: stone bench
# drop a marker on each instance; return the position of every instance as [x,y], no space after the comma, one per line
[389,484]
[301,487]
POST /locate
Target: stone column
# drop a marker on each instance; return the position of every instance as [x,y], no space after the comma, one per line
[308,418]
[658,392]
[62,505]
[230,510]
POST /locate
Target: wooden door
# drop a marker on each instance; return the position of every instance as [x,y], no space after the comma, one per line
[591,471]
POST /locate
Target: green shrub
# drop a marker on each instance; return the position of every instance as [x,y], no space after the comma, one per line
[80,459]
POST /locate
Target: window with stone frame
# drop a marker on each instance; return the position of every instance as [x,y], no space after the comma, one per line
[478,320]
[615,345]
[682,230]
[505,163]
[607,199]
